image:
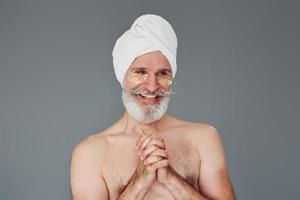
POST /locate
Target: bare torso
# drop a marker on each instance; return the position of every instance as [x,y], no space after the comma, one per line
[120,160]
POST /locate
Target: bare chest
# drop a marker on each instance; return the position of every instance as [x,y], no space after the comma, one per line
[121,162]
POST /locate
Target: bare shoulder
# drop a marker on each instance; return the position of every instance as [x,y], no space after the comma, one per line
[198,131]
[206,132]
[86,168]
[207,140]
[206,136]
[92,145]
[87,156]
[213,178]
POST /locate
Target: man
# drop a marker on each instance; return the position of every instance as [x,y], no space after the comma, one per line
[148,154]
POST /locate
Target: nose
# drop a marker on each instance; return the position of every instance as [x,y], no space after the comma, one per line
[151,83]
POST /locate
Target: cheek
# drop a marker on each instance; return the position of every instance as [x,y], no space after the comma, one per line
[166,83]
[133,80]
[136,80]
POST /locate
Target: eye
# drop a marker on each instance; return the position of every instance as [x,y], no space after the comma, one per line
[163,73]
[140,72]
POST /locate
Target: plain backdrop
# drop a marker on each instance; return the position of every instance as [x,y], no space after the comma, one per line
[238,70]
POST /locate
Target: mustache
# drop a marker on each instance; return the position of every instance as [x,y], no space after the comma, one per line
[144,91]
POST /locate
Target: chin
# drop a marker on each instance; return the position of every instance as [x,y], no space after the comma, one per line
[142,112]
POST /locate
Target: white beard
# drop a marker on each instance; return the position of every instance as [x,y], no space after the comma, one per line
[144,113]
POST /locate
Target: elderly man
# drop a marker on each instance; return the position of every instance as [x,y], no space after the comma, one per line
[148,154]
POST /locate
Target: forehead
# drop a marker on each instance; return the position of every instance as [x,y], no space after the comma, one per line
[154,60]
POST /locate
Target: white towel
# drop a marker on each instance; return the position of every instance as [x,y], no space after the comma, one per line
[148,33]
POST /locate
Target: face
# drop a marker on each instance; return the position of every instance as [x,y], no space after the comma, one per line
[147,86]
[151,70]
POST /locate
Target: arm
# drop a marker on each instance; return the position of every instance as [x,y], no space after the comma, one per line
[136,188]
[180,189]
[214,180]
[87,182]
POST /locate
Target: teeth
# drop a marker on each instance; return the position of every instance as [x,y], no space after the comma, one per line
[149,96]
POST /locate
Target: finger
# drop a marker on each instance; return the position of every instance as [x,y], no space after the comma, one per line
[143,145]
[147,151]
[155,140]
[152,150]
[157,165]
[158,142]
[159,152]
[152,159]
[140,141]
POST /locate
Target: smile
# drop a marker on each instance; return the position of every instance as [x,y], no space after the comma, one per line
[148,99]
[148,96]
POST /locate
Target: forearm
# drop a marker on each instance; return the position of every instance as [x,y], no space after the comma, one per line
[133,191]
[182,190]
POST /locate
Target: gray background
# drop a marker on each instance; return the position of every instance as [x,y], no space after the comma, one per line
[238,71]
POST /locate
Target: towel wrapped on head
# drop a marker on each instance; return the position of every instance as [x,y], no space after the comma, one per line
[148,33]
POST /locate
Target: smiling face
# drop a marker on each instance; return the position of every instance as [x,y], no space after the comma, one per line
[147,86]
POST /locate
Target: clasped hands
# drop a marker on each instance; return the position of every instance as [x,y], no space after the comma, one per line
[153,160]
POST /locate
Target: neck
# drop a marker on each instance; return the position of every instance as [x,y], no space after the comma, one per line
[130,125]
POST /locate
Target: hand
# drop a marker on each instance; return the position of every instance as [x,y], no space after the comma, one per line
[163,174]
[144,175]
[152,151]
[148,144]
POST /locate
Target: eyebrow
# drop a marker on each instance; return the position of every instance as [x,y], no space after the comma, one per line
[140,68]
[143,68]
[166,70]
